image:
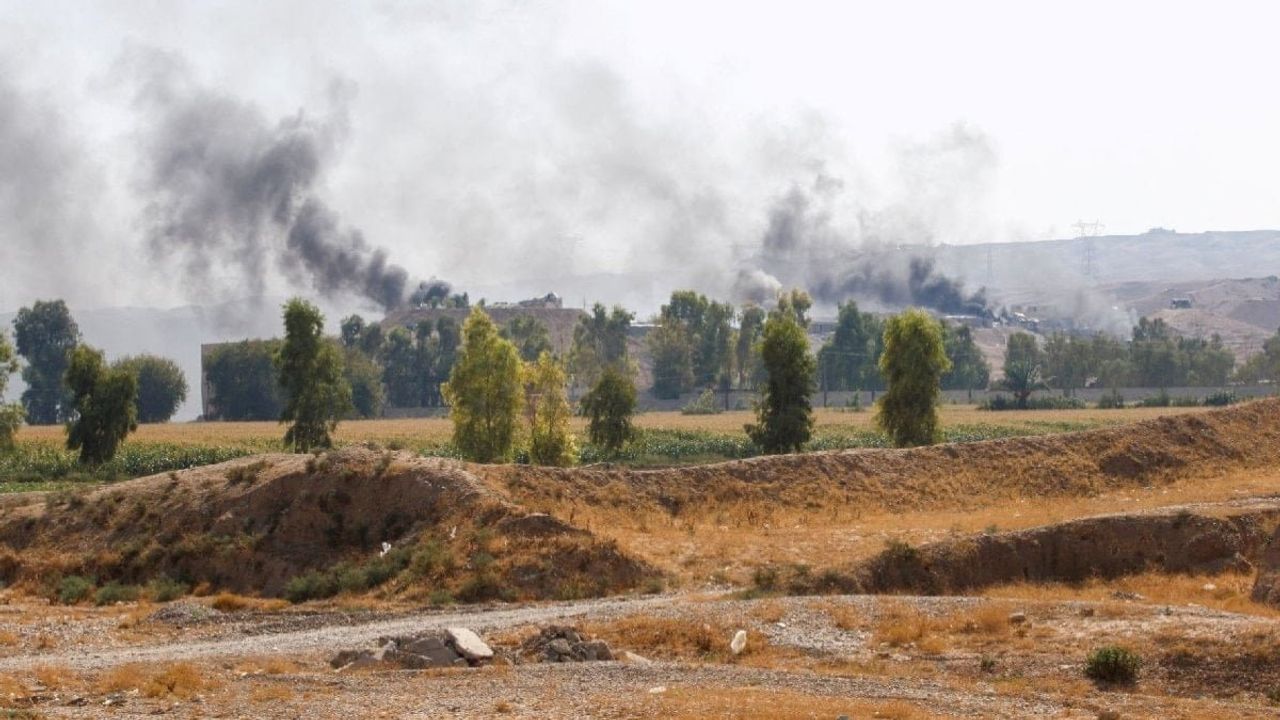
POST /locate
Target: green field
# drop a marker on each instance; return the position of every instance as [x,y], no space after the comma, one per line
[40,462]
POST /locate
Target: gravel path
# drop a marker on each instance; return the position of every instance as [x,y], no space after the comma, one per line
[329,638]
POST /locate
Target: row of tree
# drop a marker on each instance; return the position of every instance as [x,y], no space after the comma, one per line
[46,340]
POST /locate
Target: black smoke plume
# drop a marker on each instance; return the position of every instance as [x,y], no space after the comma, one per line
[231,193]
[802,247]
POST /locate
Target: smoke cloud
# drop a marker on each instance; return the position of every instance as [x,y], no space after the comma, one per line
[230,194]
[803,244]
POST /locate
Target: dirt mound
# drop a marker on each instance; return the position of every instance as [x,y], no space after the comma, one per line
[1201,540]
[309,526]
[938,477]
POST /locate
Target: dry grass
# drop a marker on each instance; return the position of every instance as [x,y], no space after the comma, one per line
[758,704]
[273,693]
[181,680]
[8,639]
[1227,591]
[266,666]
[702,639]
[231,602]
[55,677]
[844,616]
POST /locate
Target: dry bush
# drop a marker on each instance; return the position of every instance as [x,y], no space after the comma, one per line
[699,638]
[988,619]
[266,666]
[54,677]
[121,678]
[11,687]
[769,611]
[182,680]
[270,693]
[900,625]
[8,639]
[845,616]
[1225,591]
[231,602]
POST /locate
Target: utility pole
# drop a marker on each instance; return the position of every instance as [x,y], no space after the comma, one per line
[1088,231]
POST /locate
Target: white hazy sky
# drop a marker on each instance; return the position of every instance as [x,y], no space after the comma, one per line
[534,139]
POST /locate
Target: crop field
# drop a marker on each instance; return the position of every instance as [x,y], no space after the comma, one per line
[663,438]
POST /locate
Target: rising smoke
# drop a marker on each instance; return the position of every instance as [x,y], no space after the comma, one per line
[229,193]
[803,246]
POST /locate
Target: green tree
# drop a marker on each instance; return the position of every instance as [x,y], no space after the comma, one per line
[550,442]
[784,416]
[105,406]
[609,407]
[365,380]
[401,369]
[45,335]
[529,335]
[848,360]
[669,347]
[969,369]
[161,386]
[913,363]
[11,415]
[1265,366]
[484,392]
[352,328]
[243,382]
[747,343]
[310,372]
[795,303]
[599,341]
[1023,360]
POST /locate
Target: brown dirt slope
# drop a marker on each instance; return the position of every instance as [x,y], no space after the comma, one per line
[1207,539]
[953,476]
[252,524]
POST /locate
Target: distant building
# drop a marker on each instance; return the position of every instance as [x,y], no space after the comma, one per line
[1180,303]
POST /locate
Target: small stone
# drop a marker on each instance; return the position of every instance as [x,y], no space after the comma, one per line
[658,690]
[739,642]
[1017,618]
[468,644]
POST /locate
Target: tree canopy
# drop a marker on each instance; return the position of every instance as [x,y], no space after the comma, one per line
[599,341]
[484,392]
[530,336]
[310,374]
[609,407]
[162,387]
[784,418]
[550,441]
[11,415]
[45,335]
[913,363]
[243,381]
[105,411]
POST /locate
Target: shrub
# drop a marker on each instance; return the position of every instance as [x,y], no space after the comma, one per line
[1160,399]
[74,589]
[1222,398]
[113,592]
[247,474]
[1111,401]
[704,404]
[1112,664]
[164,589]
[1052,402]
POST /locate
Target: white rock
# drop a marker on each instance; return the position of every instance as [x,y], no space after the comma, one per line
[657,690]
[468,644]
[634,659]
[739,642]
[1209,587]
